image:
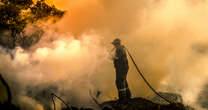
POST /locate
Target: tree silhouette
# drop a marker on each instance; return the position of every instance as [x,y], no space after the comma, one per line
[15,15]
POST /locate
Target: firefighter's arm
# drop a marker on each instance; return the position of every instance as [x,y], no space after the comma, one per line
[112,56]
[115,57]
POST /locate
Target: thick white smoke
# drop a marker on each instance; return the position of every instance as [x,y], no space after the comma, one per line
[66,62]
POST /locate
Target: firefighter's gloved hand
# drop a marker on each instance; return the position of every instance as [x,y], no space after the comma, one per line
[115,58]
[112,56]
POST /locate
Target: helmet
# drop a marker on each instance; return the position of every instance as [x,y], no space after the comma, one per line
[116,41]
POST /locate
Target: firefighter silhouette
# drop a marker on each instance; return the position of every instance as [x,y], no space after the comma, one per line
[121,67]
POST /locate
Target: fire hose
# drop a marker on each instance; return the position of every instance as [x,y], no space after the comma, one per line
[148,84]
[54,104]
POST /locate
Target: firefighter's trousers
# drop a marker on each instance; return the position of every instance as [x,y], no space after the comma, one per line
[121,83]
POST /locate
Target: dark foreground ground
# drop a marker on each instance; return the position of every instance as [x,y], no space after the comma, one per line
[132,104]
[142,104]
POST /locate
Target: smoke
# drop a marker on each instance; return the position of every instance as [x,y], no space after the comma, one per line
[166,37]
[68,64]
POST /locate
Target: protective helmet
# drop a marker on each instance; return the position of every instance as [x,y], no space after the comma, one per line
[116,41]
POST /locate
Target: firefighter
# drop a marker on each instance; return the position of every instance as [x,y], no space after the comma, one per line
[121,67]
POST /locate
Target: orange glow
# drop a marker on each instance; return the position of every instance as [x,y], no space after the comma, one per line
[49,2]
[66,5]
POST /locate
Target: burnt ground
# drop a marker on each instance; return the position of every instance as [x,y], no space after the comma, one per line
[142,104]
[8,106]
[131,104]
[138,104]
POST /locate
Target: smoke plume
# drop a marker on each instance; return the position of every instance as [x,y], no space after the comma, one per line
[166,37]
